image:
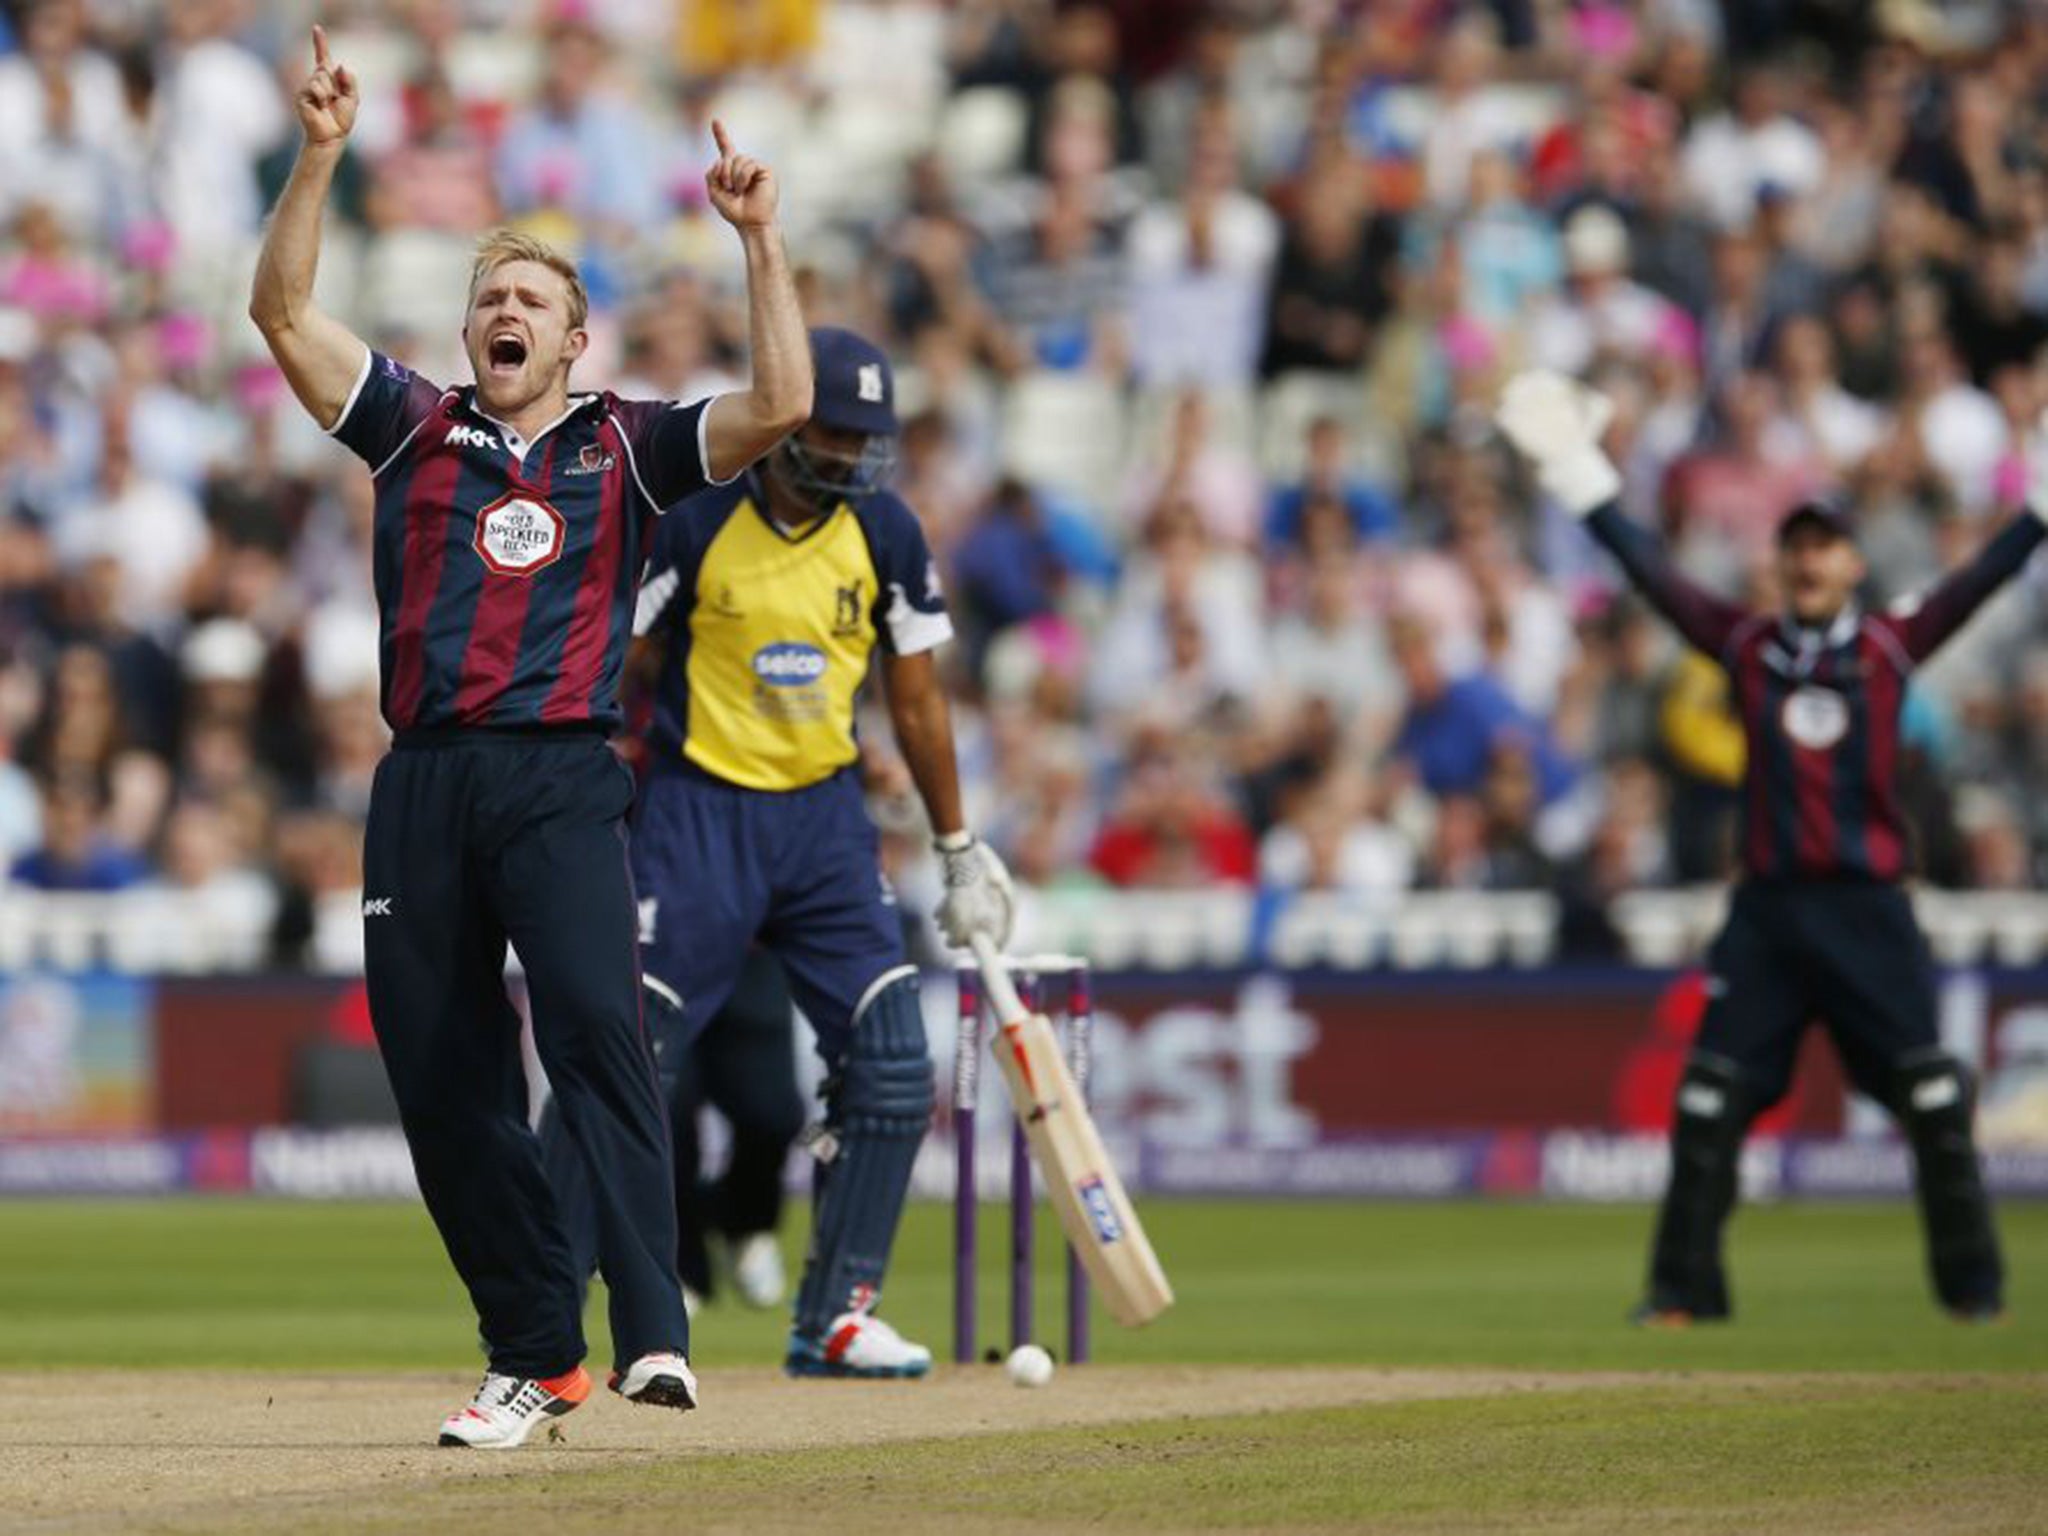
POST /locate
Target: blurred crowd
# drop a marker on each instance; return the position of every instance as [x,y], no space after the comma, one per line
[1199,310]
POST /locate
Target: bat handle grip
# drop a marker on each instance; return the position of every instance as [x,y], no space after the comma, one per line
[995,976]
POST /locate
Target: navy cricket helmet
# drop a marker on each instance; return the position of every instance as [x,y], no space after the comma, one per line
[855,393]
[856,387]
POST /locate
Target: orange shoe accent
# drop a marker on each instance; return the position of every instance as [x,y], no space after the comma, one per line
[1670,1318]
[572,1387]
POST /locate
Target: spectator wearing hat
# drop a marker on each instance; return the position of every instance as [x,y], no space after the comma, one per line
[1601,311]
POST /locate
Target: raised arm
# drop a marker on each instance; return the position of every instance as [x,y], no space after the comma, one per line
[740,427]
[1556,424]
[1707,621]
[321,358]
[1955,599]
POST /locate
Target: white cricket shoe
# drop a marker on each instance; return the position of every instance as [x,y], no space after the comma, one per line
[859,1345]
[506,1408]
[660,1380]
[757,1272]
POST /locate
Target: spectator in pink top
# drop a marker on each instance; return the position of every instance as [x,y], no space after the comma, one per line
[439,176]
[48,278]
[1726,500]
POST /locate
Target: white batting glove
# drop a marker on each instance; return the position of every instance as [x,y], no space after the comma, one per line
[1556,423]
[980,901]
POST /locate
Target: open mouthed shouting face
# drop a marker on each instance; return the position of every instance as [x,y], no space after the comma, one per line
[521,335]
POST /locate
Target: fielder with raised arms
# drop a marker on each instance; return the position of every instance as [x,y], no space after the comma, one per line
[1820,927]
[777,594]
[511,520]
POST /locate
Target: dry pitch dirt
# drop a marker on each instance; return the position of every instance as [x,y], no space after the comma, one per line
[106,1452]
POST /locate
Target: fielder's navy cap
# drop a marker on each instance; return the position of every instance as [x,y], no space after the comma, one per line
[1823,515]
[856,388]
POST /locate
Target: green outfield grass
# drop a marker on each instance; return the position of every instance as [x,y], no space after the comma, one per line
[242,1283]
[1895,1421]
[1705,1459]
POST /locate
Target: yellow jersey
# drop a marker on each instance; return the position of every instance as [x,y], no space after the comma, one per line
[770,630]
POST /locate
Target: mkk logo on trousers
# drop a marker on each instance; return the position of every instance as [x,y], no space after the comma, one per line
[377,906]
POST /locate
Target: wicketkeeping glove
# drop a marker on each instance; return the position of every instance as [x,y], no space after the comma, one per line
[979,898]
[1556,423]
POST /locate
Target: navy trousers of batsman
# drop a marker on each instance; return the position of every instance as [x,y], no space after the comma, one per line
[720,867]
[774,601]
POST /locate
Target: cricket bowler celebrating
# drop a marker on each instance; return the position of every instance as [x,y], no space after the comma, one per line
[778,592]
[510,523]
[1820,926]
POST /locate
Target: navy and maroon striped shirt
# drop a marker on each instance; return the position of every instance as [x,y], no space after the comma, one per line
[506,571]
[1820,708]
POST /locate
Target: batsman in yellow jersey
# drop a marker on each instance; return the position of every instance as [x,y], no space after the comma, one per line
[779,592]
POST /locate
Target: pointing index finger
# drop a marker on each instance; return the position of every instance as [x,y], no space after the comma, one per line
[320,56]
[719,137]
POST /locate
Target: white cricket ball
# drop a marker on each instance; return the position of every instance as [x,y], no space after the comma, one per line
[1028,1366]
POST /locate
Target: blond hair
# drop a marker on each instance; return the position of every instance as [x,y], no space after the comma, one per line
[504,246]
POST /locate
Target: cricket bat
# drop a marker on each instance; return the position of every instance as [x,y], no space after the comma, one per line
[1093,1209]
